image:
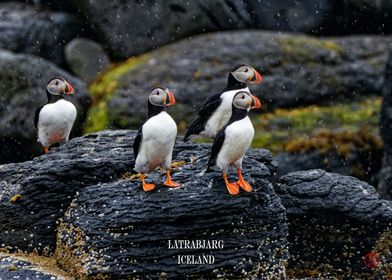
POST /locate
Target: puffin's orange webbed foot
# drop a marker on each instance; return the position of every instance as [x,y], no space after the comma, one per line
[46,150]
[242,183]
[169,182]
[146,187]
[233,188]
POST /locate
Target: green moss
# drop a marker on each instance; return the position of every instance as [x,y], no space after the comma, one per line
[103,89]
[357,121]
[97,118]
[343,142]
[304,47]
[275,129]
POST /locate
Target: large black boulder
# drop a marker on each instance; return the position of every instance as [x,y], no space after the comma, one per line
[132,27]
[31,29]
[117,231]
[112,216]
[23,82]
[334,221]
[298,70]
[385,175]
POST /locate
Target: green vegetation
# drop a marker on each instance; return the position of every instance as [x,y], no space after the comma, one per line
[103,89]
[305,47]
[292,129]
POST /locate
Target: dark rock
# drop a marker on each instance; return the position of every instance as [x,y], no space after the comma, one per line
[23,82]
[297,69]
[353,153]
[357,164]
[126,232]
[385,175]
[334,220]
[18,267]
[352,17]
[132,27]
[86,59]
[42,190]
[54,5]
[30,29]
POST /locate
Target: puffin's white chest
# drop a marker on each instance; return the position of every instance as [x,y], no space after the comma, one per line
[222,114]
[158,138]
[55,122]
[238,137]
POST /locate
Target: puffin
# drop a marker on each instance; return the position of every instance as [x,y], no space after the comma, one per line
[216,110]
[154,142]
[233,140]
[55,119]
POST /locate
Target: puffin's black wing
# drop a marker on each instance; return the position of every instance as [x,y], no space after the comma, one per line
[136,142]
[216,147]
[209,107]
[36,117]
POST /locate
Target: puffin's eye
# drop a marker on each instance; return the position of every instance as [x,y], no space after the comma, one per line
[158,93]
[246,70]
[243,97]
[57,83]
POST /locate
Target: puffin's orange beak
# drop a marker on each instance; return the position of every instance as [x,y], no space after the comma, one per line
[256,77]
[172,100]
[256,104]
[70,89]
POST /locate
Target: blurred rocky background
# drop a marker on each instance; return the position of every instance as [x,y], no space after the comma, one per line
[326,64]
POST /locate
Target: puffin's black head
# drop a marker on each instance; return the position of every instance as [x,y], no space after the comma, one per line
[245,100]
[161,96]
[59,86]
[245,73]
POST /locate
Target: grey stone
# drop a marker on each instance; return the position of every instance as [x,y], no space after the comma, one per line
[31,29]
[334,220]
[132,27]
[86,58]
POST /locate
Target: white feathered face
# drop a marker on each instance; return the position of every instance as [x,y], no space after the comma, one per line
[161,96]
[246,73]
[245,100]
[58,86]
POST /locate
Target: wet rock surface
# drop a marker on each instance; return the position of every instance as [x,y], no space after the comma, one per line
[48,184]
[23,82]
[297,70]
[334,220]
[16,267]
[80,203]
[119,222]
[30,29]
[385,175]
[126,232]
